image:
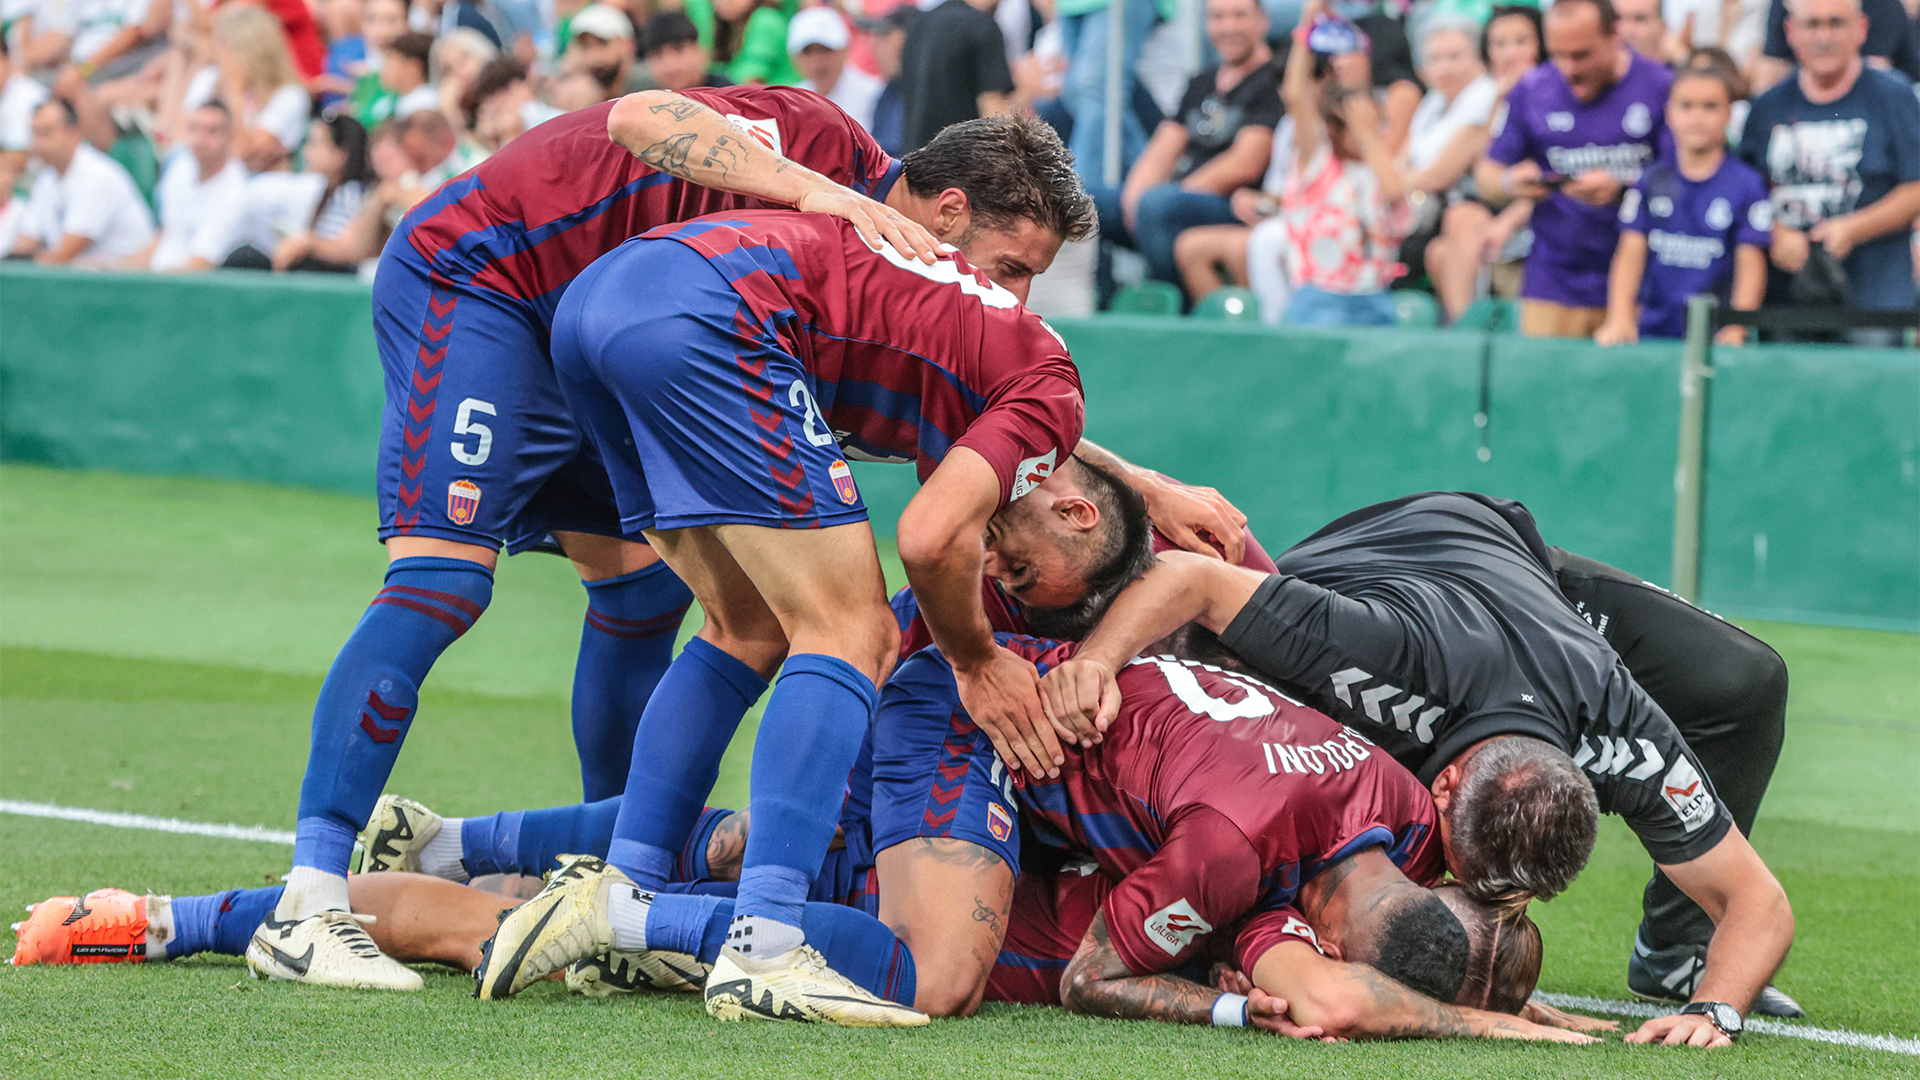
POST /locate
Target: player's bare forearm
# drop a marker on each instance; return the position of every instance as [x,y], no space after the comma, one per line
[1354,1001]
[1753,920]
[1098,983]
[941,546]
[683,138]
[1181,588]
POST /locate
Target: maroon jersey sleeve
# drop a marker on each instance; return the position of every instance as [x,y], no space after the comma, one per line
[1266,930]
[805,128]
[1033,421]
[1204,877]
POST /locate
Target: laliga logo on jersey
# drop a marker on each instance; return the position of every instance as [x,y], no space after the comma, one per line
[1033,472]
[463,501]
[1637,121]
[999,822]
[1296,927]
[1174,927]
[1687,794]
[843,482]
[765,132]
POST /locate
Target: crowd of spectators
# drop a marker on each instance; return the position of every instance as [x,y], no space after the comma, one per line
[1597,160]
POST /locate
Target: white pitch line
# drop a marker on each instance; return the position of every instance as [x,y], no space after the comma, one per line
[262,834]
[141,821]
[1762,1025]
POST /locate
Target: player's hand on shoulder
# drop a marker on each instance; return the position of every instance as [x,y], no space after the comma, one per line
[1199,519]
[876,222]
[1080,698]
[1539,1012]
[1678,1030]
[1002,695]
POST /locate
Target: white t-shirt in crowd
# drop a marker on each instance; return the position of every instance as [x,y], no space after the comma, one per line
[92,23]
[856,92]
[13,222]
[284,114]
[279,205]
[419,99]
[198,218]
[1437,120]
[95,199]
[18,98]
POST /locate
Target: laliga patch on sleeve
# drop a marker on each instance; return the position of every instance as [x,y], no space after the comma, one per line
[1033,472]
[1687,794]
[1296,927]
[766,132]
[1174,927]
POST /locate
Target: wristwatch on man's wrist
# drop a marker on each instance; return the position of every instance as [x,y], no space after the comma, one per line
[1719,1014]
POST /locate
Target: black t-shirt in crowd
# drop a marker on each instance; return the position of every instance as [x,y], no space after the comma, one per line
[1432,622]
[1391,59]
[1891,34]
[952,55]
[1212,119]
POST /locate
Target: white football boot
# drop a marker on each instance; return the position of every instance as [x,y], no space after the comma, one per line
[617,972]
[395,835]
[565,922]
[330,948]
[797,985]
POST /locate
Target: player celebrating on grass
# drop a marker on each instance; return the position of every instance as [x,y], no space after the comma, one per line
[719,409]
[1436,624]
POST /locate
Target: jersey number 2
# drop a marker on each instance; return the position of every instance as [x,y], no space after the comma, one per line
[798,397]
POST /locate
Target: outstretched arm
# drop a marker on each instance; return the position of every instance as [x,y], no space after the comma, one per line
[1098,983]
[681,137]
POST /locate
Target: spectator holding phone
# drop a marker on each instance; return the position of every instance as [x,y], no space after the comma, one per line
[1578,132]
[1697,222]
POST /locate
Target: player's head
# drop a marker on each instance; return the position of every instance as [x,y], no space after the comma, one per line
[1001,189]
[1518,819]
[1065,548]
[1583,40]
[1375,916]
[1503,964]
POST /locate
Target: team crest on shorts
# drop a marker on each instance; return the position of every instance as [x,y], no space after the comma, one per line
[463,501]
[843,482]
[999,822]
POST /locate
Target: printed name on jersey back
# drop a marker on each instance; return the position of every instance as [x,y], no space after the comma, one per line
[1174,927]
[1335,755]
[1687,794]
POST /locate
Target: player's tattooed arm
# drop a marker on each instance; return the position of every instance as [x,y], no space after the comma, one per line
[1098,983]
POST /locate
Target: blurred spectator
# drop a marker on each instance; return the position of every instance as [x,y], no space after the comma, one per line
[253,75]
[1481,226]
[202,197]
[675,58]
[889,35]
[383,24]
[1893,41]
[602,46]
[335,238]
[953,67]
[500,105]
[403,70]
[1840,143]
[1344,203]
[433,148]
[578,90]
[817,39]
[301,35]
[1218,142]
[1578,131]
[103,39]
[1449,130]
[1696,222]
[1644,30]
[20,94]
[1389,54]
[84,208]
[750,40]
[342,20]
[1084,33]
[456,61]
[13,208]
[480,16]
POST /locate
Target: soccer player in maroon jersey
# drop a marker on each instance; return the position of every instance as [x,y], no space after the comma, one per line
[721,410]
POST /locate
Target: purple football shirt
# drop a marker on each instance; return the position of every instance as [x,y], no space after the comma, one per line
[1621,132]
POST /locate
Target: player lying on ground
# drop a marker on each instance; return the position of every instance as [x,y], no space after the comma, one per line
[1435,624]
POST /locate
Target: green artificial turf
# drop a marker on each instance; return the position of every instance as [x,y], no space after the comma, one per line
[161,642]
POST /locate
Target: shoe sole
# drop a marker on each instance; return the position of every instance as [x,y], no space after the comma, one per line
[729,1006]
[260,966]
[409,860]
[496,986]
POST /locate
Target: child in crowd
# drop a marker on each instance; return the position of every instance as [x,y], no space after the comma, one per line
[1698,222]
[1344,202]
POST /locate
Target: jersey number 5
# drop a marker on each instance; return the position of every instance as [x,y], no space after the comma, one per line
[464,425]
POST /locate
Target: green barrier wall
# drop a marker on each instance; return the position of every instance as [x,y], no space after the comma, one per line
[1813,501]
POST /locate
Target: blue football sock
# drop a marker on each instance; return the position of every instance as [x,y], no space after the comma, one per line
[809,740]
[854,943]
[528,841]
[625,648]
[222,923]
[686,728]
[368,699]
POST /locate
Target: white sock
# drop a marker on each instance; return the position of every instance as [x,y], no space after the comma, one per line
[441,856]
[760,937]
[311,891]
[159,926]
[627,909]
